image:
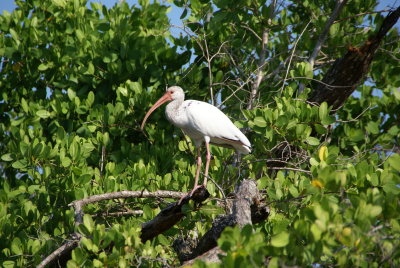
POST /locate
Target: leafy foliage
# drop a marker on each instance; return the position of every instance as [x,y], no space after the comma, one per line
[75,83]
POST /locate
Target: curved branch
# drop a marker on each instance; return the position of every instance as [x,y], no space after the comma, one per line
[78,204]
[61,251]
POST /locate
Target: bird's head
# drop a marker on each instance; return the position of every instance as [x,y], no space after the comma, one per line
[175,92]
[172,93]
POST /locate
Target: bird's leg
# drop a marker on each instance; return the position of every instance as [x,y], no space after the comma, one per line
[196,179]
[208,158]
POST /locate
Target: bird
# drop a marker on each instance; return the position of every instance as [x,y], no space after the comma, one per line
[204,124]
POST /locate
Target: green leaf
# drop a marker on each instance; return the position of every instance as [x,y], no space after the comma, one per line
[391,187]
[211,210]
[88,147]
[71,94]
[8,264]
[356,135]
[43,114]
[123,91]
[328,120]
[79,34]
[20,164]
[375,211]
[85,178]
[394,161]
[24,105]
[14,34]
[74,150]
[312,141]
[7,157]
[184,13]
[66,161]
[163,240]
[280,240]
[90,99]
[90,69]
[373,127]
[88,222]
[323,111]
[334,29]
[260,121]
[16,246]
[147,212]
[59,3]
[43,67]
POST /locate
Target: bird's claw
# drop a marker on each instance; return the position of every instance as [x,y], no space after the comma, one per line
[189,195]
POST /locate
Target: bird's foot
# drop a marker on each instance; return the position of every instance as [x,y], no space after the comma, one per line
[194,192]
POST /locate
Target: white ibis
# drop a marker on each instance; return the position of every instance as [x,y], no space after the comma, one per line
[202,122]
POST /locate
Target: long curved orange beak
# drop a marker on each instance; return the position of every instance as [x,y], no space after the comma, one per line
[162,100]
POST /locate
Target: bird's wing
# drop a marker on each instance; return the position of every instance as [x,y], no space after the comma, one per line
[210,121]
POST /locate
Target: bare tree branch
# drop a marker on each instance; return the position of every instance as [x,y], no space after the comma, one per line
[322,37]
[261,62]
[291,56]
[79,204]
[362,14]
[64,249]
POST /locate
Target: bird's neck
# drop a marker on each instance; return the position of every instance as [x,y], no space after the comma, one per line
[172,109]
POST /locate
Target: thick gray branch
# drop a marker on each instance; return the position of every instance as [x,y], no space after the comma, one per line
[245,210]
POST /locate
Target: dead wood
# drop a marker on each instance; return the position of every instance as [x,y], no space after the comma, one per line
[348,72]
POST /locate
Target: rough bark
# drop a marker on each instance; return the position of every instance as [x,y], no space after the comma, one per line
[60,253]
[169,216]
[246,209]
[349,71]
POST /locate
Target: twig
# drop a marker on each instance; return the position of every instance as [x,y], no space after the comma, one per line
[318,81]
[288,168]
[261,62]
[362,14]
[260,67]
[291,56]
[355,119]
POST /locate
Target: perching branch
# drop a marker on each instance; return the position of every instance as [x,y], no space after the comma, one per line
[170,215]
[246,209]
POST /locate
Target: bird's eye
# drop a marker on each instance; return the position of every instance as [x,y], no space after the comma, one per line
[172,92]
